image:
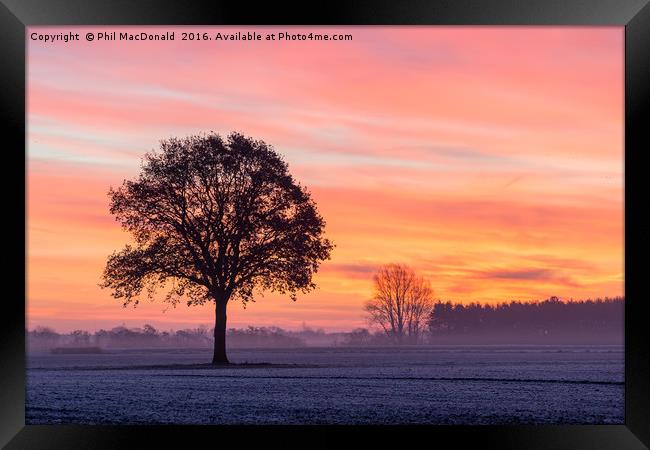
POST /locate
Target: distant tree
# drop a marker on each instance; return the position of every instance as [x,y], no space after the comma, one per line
[80,337]
[43,337]
[401,304]
[45,333]
[263,337]
[149,330]
[358,336]
[215,220]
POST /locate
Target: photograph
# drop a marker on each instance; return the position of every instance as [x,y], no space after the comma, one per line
[325,225]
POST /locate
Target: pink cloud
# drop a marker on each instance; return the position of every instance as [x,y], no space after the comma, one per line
[472,153]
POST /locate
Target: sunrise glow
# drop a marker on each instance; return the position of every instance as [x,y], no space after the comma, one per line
[489,159]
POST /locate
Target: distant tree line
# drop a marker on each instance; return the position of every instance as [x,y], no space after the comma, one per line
[44,338]
[263,337]
[543,317]
[548,321]
[551,321]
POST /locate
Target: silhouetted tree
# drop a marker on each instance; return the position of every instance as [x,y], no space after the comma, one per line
[80,337]
[358,336]
[215,220]
[149,330]
[401,304]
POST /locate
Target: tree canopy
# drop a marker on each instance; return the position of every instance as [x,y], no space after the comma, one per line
[215,219]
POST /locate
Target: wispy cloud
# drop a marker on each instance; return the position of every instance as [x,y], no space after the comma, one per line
[488,158]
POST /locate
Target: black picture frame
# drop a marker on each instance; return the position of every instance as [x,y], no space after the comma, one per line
[634,15]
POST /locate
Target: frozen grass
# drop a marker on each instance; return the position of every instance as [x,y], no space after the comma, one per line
[438,385]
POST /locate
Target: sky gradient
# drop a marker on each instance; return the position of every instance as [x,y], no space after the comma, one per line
[490,159]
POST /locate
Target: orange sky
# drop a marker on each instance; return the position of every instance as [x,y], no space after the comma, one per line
[490,159]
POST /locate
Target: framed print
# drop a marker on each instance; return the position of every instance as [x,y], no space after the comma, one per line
[400,220]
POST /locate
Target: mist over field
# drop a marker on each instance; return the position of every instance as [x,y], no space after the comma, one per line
[551,322]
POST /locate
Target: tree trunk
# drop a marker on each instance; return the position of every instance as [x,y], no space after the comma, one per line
[219,356]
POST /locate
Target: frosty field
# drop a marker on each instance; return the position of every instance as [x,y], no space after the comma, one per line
[423,385]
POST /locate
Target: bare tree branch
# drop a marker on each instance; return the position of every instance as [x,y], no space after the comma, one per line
[401,304]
